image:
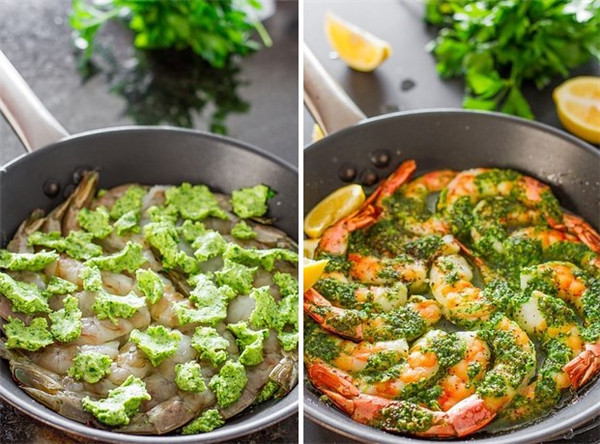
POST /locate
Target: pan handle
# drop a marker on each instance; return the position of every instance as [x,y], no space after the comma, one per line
[26,114]
[329,105]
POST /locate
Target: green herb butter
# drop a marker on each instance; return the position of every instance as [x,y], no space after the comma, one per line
[157,342]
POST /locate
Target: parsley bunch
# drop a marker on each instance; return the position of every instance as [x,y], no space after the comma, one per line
[498,44]
[213,29]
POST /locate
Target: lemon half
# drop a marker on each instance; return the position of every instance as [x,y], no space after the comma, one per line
[578,106]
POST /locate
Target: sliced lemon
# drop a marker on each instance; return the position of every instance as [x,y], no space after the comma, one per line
[310,245]
[334,207]
[312,271]
[578,106]
[358,48]
[317,133]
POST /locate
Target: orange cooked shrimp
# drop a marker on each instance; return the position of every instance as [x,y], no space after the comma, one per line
[514,363]
[552,241]
[410,321]
[387,375]
[479,183]
[414,195]
[571,286]
[335,238]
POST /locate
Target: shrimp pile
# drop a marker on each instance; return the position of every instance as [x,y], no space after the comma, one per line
[437,293]
[137,310]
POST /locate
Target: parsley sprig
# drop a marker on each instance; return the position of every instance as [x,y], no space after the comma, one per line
[213,29]
[498,44]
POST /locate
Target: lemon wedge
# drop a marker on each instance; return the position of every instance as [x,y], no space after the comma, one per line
[309,247]
[317,133]
[312,270]
[578,106]
[360,50]
[334,207]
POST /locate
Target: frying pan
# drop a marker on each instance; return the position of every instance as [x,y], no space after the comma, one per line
[148,155]
[459,140]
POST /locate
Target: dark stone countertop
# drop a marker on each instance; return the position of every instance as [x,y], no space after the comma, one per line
[258,95]
[406,81]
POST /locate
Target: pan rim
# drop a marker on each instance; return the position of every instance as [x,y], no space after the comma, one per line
[151,128]
[458,111]
[255,421]
[70,427]
[324,415]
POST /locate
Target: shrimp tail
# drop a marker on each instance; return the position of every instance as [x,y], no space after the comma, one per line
[160,419]
[470,415]
[487,273]
[18,244]
[285,374]
[321,310]
[326,377]
[368,409]
[67,404]
[335,238]
[583,231]
[32,375]
[395,181]
[584,367]
[82,197]
[312,301]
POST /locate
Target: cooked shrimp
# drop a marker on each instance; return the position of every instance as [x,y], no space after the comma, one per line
[461,302]
[479,183]
[394,416]
[570,284]
[410,204]
[381,271]
[514,362]
[558,245]
[351,356]
[335,238]
[428,356]
[408,322]
[583,231]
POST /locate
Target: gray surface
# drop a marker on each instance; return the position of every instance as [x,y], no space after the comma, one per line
[400,23]
[35,37]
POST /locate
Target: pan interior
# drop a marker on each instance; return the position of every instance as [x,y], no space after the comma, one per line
[461,140]
[147,156]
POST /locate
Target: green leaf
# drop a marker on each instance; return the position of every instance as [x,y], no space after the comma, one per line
[473,103]
[215,30]
[530,41]
[516,104]
[484,84]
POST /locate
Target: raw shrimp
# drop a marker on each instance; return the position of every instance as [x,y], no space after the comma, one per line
[122,213]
